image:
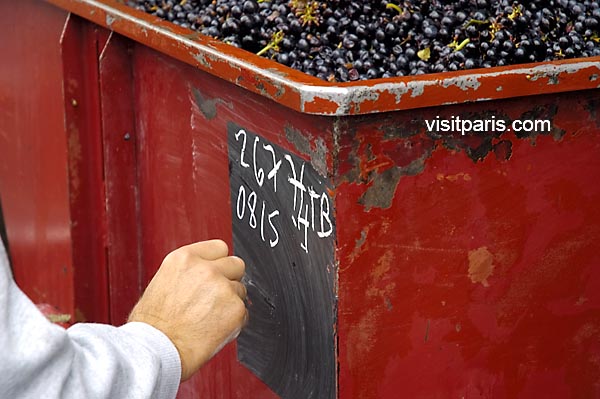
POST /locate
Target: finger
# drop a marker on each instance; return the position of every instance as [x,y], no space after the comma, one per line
[231,267]
[239,289]
[209,250]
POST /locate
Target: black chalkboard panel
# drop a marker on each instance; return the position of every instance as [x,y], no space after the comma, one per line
[284,228]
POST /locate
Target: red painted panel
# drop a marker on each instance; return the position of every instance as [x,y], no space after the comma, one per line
[120,178]
[466,270]
[80,52]
[33,149]
[182,117]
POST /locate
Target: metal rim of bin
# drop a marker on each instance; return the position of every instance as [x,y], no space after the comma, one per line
[310,95]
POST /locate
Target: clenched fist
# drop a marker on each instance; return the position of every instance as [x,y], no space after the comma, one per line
[197,300]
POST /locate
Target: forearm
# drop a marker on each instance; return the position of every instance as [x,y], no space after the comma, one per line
[39,359]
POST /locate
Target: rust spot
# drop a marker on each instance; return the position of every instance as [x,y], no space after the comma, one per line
[458,176]
[359,246]
[361,240]
[192,36]
[79,316]
[503,150]
[383,266]
[388,304]
[481,265]
[376,288]
[207,106]
[381,192]
[75,159]
[318,154]
[361,337]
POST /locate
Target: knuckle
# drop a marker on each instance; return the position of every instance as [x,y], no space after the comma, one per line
[180,256]
[220,245]
[241,262]
[239,289]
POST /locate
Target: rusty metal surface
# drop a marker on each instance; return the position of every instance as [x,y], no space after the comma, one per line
[469,266]
[310,95]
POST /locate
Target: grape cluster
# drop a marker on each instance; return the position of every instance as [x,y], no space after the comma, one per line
[348,40]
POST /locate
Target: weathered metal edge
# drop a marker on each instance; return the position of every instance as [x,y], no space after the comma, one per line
[310,95]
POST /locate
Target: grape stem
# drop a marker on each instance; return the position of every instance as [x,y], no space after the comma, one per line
[457,47]
[273,44]
[394,7]
[476,21]
[516,12]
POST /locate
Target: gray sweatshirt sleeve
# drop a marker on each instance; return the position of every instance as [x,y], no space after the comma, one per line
[41,360]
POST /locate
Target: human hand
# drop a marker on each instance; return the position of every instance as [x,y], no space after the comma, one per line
[197,300]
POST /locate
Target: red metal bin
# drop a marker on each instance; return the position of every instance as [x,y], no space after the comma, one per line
[411,263]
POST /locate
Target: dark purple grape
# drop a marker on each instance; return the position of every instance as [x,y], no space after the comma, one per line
[349,40]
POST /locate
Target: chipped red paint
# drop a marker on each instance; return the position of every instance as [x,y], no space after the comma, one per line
[477,274]
[311,95]
[468,265]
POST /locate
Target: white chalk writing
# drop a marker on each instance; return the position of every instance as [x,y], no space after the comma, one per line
[310,212]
